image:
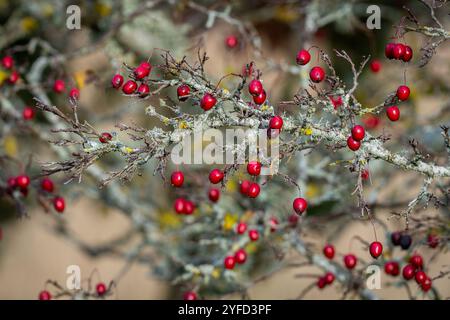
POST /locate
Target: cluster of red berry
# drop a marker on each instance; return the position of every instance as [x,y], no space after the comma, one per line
[316,74]
[140,74]
[101,290]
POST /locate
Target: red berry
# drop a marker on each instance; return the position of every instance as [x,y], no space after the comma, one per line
[329,278]
[328,251]
[208,101]
[143,90]
[293,219]
[45,295]
[317,74]
[254,168]
[426,284]
[105,137]
[407,56]
[59,204]
[403,93]
[229,262]
[47,185]
[23,181]
[12,182]
[240,256]
[177,178]
[388,50]
[179,205]
[398,51]
[100,288]
[244,187]
[336,101]
[241,228]
[276,123]
[255,87]
[59,86]
[141,72]
[303,57]
[146,65]
[393,113]
[392,268]
[417,261]
[358,133]
[183,91]
[117,81]
[13,77]
[350,261]
[28,113]
[74,93]
[7,62]
[253,190]
[231,41]
[420,277]
[216,176]
[129,87]
[273,222]
[375,66]
[371,121]
[365,174]
[253,234]
[433,241]
[408,272]
[321,283]
[189,207]
[190,295]
[214,194]
[353,144]
[260,98]
[299,205]
[376,249]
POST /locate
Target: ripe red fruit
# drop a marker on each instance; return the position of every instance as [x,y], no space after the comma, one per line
[47,185]
[329,251]
[189,207]
[260,98]
[403,93]
[276,123]
[45,295]
[183,91]
[336,101]
[365,174]
[208,101]
[117,81]
[398,51]
[7,62]
[142,71]
[244,187]
[59,86]
[388,50]
[371,121]
[59,204]
[229,262]
[12,182]
[13,77]
[253,190]
[100,288]
[214,194]
[216,176]
[231,41]
[241,228]
[129,87]
[392,268]
[426,284]
[353,144]
[190,295]
[408,272]
[299,205]
[105,137]
[329,278]
[358,133]
[273,222]
[28,113]
[254,168]
[375,66]
[350,261]
[321,283]
[317,74]
[420,277]
[146,65]
[23,181]
[179,205]
[432,240]
[74,93]
[303,57]
[408,54]
[253,234]
[143,90]
[240,256]
[293,219]
[376,249]
[393,113]
[177,178]
[417,261]
[255,87]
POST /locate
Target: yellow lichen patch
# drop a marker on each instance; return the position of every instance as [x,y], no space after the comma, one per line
[312,190]
[102,9]
[47,10]
[3,76]
[10,146]
[264,107]
[225,91]
[182,124]
[286,14]
[167,219]
[127,150]
[80,79]
[306,131]
[215,273]
[250,247]
[165,120]
[229,221]
[28,24]
[231,185]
